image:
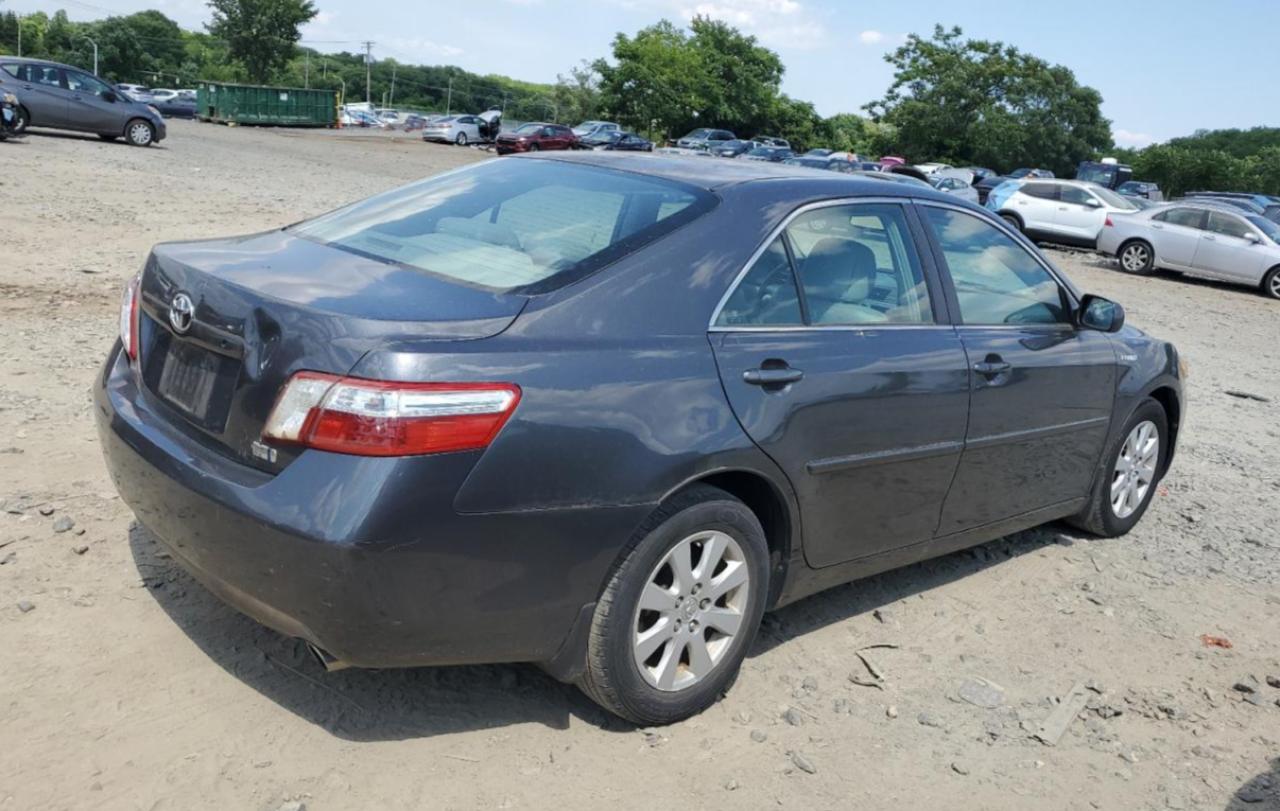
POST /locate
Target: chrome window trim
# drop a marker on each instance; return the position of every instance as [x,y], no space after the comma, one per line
[774,234]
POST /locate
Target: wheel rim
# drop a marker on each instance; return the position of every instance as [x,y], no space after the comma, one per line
[462,139]
[690,611]
[1274,285]
[1135,469]
[140,134]
[1134,257]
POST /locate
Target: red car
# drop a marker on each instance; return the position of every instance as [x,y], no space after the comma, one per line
[533,137]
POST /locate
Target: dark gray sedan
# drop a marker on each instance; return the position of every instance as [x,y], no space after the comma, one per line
[600,412]
[62,97]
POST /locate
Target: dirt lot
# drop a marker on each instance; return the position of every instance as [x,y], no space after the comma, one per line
[123,684]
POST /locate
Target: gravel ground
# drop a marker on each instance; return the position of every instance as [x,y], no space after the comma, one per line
[123,684]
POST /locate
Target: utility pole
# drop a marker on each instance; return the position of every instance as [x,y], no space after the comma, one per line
[448,104]
[19,35]
[95,53]
[368,67]
[393,84]
[306,70]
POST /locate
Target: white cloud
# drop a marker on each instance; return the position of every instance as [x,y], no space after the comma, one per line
[425,49]
[1129,138]
[871,37]
[777,23]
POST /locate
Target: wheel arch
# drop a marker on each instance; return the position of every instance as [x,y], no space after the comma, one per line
[1007,214]
[1168,399]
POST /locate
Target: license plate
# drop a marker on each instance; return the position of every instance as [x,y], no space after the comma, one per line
[187,378]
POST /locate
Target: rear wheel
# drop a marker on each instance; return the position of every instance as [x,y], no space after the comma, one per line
[1130,474]
[680,611]
[1271,283]
[139,133]
[1137,257]
[1013,221]
[461,140]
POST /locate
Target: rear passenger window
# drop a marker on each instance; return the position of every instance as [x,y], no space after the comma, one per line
[1186,217]
[1075,195]
[997,281]
[1045,191]
[858,265]
[766,296]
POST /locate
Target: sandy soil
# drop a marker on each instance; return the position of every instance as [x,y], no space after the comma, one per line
[125,685]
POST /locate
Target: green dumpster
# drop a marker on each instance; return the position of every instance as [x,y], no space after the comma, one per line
[228,103]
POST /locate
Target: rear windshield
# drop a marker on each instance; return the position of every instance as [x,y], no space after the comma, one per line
[507,225]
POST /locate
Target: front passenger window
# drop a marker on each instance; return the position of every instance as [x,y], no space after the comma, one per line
[1228,225]
[997,281]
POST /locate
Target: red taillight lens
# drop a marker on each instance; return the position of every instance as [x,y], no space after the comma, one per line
[1108,223]
[385,418]
[129,317]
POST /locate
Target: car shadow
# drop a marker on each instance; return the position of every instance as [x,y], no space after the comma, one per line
[380,705]
[89,137]
[1261,793]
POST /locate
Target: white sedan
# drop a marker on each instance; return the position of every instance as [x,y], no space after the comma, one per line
[453,129]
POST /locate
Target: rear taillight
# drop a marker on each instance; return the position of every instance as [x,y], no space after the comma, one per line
[1108,223]
[384,418]
[129,317]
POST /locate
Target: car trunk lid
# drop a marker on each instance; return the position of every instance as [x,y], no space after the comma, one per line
[225,323]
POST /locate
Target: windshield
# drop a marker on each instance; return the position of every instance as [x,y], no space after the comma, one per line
[1102,174]
[528,129]
[1114,200]
[699,134]
[1019,173]
[504,225]
[1267,227]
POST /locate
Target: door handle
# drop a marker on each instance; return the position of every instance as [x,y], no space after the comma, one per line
[1211,237]
[767,377]
[990,368]
[1157,226]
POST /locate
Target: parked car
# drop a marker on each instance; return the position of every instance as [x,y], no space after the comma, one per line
[1069,212]
[502,434]
[1018,174]
[809,162]
[453,129]
[136,92]
[931,168]
[1242,203]
[413,121]
[536,137]
[162,94]
[817,152]
[870,166]
[1107,173]
[892,160]
[589,128]
[956,182]
[676,151]
[62,97]
[1266,205]
[981,172]
[1204,240]
[772,140]
[1141,189]
[617,141]
[390,117]
[705,138]
[176,106]
[732,149]
[773,154]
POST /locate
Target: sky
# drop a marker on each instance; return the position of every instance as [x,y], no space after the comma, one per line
[1164,67]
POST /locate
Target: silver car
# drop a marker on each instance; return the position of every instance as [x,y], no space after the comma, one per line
[66,98]
[453,129]
[1205,240]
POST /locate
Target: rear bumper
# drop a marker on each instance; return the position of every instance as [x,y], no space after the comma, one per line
[365,558]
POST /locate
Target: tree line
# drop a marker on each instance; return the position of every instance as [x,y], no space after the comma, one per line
[953,99]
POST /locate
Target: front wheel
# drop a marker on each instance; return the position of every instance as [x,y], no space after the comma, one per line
[139,133]
[1271,283]
[1013,221]
[680,611]
[533,147]
[1137,257]
[21,121]
[1130,474]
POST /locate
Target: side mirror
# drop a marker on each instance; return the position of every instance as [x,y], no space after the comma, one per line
[109,96]
[1101,314]
[1093,202]
[1253,237]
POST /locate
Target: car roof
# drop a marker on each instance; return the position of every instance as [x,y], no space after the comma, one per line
[717,175]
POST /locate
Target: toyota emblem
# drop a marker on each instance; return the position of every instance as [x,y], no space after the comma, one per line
[181,310]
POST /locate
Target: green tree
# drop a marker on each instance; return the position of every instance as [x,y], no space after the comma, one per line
[577,96]
[261,34]
[988,103]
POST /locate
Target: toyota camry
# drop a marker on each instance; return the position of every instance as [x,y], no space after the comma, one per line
[599,411]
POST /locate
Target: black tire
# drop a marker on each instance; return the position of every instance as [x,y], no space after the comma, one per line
[1137,257]
[139,133]
[461,140]
[534,147]
[613,678]
[1014,221]
[106,136]
[1271,283]
[23,121]
[1098,515]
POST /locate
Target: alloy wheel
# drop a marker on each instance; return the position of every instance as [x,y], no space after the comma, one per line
[691,609]
[462,139]
[1273,286]
[1135,257]
[1135,469]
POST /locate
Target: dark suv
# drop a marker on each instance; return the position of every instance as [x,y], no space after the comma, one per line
[62,97]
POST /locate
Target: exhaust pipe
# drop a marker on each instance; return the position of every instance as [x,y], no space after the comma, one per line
[326,660]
